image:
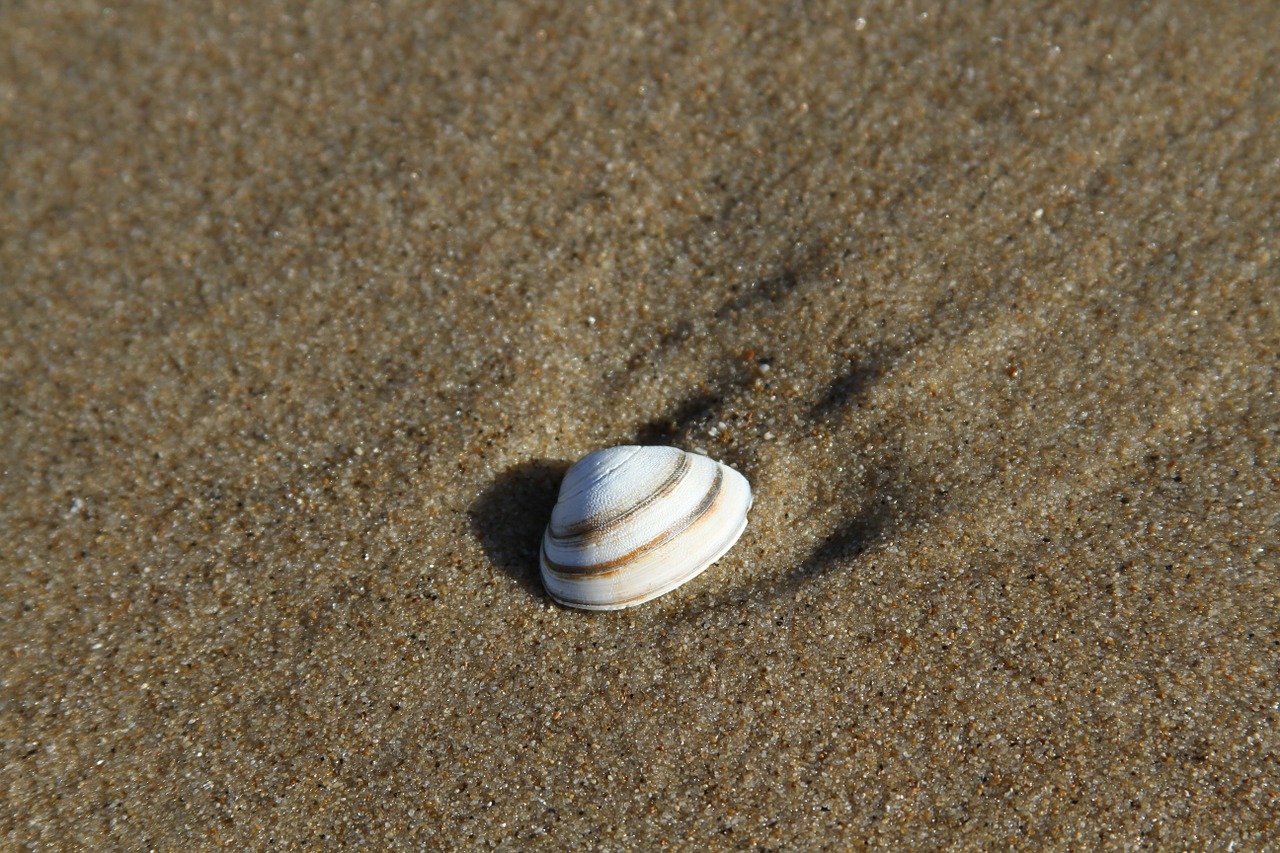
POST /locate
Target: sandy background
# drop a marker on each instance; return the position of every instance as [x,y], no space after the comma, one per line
[304,309]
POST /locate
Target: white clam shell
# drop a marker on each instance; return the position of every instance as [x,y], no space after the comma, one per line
[634,522]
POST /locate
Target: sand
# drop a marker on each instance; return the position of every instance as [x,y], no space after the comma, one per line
[305,309]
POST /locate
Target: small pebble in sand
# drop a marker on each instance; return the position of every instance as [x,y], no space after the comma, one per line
[632,523]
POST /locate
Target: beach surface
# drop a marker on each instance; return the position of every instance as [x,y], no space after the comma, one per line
[305,308]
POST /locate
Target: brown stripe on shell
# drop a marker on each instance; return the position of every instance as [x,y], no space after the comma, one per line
[687,521]
[573,535]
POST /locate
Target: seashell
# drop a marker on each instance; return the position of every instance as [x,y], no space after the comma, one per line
[634,522]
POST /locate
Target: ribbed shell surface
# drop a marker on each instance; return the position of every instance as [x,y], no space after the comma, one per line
[634,522]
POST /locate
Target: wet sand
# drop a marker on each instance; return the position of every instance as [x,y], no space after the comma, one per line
[305,309]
